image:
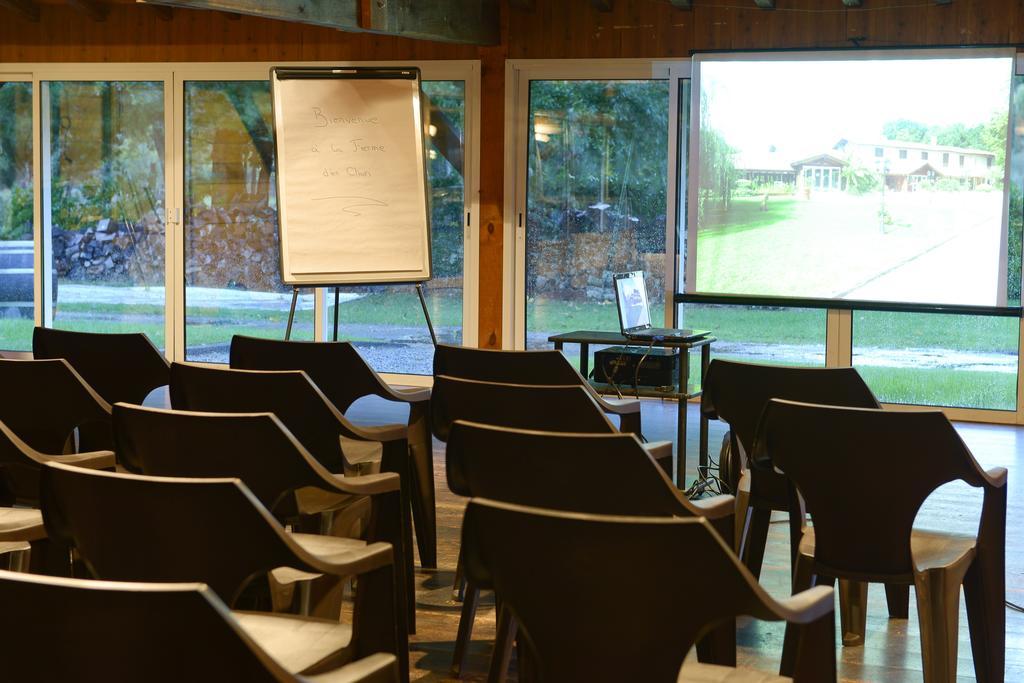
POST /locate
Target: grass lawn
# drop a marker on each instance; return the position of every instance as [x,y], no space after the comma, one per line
[837,240]
[881,331]
[216,325]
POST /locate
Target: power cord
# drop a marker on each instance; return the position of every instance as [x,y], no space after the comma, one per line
[636,374]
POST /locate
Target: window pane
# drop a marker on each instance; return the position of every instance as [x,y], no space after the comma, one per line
[17,256]
[104,200]
[943,360]
[232,258]
[595,201]
[783,336]
[386,322]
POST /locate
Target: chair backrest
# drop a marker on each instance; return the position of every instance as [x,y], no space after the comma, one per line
[737,392]
[543,408]
[608,474]
[44,401]
[554,570]
[255,447]
[865,474]
[120,367]
[124,632]
[290,395]
[128,527]
[544,367]
[335,367]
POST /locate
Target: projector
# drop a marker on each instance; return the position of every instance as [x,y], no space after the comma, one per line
[618,365]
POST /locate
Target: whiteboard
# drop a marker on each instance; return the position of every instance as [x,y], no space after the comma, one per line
[351,176]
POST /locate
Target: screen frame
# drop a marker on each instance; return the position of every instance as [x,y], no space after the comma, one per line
[685,293]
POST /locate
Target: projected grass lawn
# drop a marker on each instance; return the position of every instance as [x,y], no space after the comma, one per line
[836,245]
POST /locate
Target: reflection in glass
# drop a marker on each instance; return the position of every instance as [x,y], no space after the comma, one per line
[232,258]
[595,201]
[104,181]
[16,221]
[936,359]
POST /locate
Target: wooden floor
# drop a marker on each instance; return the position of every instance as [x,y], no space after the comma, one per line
[892,651]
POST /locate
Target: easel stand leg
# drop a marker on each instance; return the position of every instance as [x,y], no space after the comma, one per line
[337,297]
[426,314]
[291,313]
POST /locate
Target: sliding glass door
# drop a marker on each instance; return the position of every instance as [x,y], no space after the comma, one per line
[142,197]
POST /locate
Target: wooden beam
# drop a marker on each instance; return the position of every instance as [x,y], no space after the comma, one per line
[765,4]
[523,5]
[852,3]
[602,5]
[96,11]
[26,8]
[681,4]
[452,21]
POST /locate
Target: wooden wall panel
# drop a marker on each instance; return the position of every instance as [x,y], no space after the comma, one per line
[552,29]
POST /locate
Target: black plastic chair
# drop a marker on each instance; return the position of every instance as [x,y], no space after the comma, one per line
[863,530]
[270,461]
[120,367]
[165,633]
[542,367]
[548,408]
[553,571]
[344,377]
[591,473]
[128,527]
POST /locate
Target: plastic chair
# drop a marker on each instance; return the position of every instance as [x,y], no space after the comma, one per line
[343,376]
[737,393]
[47,404]
[120,367]
[217,532]
[543,367]
[592,473]
[864,475]
[691,583]
[166,633]
[548,408]
[270,461]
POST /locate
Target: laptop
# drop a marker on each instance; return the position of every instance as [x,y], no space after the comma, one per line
[635,314]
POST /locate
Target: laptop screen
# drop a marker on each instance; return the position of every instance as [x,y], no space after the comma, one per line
[631,293]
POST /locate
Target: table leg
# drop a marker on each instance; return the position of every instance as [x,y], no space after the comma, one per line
[585,360]
[684,383]
[705,358]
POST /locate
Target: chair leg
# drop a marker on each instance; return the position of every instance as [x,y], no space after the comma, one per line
[985,595]
[803,579]
[853,607]
[459,584]
[718,646]
[938,609]
[424,508]
[465,634]
[742,522]
[502,655]
[898,599]
[757,537]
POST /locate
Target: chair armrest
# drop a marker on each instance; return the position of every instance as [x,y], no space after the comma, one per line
[362,560]
[715,507]
[803,608]
[995,477]
[379,433]
[618,406]
[366,484]
[93,460]
[408,394]
[377,668]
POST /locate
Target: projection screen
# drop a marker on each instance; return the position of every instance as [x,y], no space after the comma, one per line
[877,176]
